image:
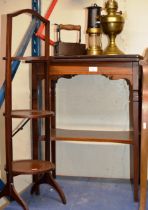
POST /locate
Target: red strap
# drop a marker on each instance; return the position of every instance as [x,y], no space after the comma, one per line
[42,36]
[47,15]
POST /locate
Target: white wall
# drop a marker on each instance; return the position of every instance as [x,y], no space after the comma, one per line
[20,86]
[110,110]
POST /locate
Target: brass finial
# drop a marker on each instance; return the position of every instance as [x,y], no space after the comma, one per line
[111,6]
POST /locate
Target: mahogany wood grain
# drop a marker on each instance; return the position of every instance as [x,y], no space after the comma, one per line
[35,134]
[115,67]
[100,69]
[34,166]
[123,137]
[9,189]
[95,58]
[31,166]
[30,113]
[144,140]
[30,59]
[53,121]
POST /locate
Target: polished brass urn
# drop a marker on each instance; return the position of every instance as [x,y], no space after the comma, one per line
[112,24]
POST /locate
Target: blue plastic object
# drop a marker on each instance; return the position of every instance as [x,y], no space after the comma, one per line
[1,184]
[36,43]
[36,46]
[20,52]
[36,51]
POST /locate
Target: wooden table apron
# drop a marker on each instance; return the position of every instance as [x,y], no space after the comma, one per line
[115,67]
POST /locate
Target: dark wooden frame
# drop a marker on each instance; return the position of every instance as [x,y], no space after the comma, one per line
[144,136]
[40,169]
[115,67]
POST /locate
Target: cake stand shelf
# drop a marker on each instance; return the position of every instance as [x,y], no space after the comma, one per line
[40,169]
[31,114]
[31,166]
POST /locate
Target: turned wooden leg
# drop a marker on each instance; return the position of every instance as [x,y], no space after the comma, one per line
[48,179]
[134,150]
[53,122]
[35,187]
[9,190]
[56,186]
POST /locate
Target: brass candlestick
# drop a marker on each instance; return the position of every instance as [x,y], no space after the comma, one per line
[112,24]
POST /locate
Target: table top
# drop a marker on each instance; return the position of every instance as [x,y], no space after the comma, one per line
[78,58]
[82,58]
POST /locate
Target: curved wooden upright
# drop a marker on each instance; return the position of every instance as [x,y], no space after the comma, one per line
[144,135]
[40,169]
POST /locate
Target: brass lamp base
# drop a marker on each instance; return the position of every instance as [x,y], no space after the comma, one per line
[112,25]
[94,51]
[112,50]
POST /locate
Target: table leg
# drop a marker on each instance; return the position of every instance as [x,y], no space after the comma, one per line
[53,121]
[35,134]
[136,148]
[144,139]
[143,178]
